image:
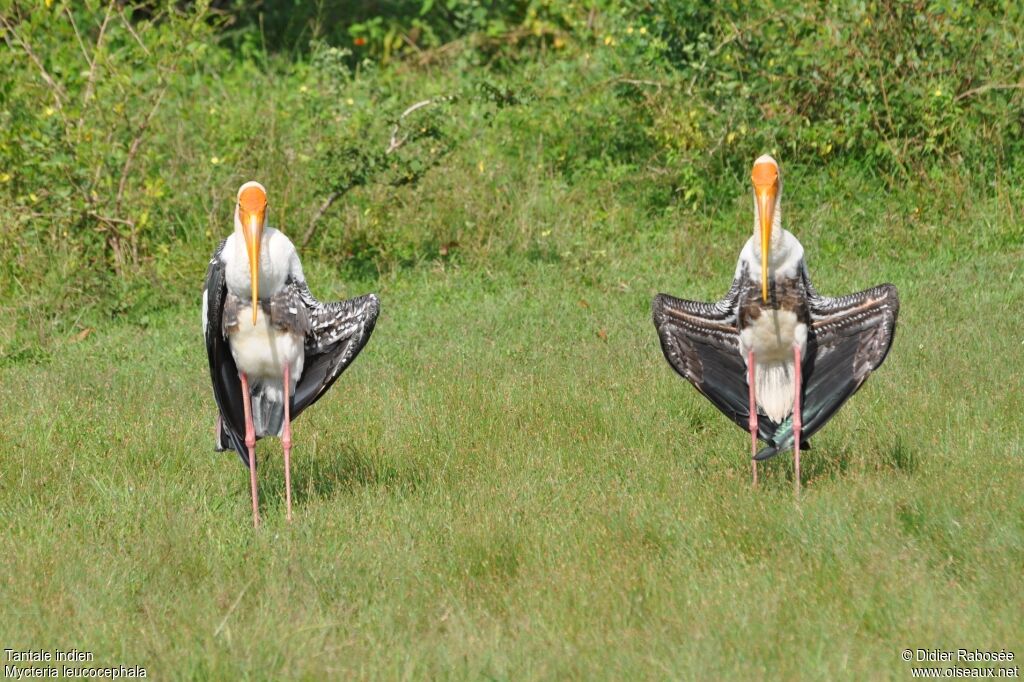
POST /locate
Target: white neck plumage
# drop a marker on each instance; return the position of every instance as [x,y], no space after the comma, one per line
[277,261]
[785,253]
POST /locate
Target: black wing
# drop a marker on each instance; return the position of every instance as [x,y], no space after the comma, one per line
[337,332]
[849,338]
[227,389]
[701,343]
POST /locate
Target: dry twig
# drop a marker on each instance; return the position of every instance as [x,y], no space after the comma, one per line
[986,87]
[393,144]
[58,92]
[134,148]
[324,207]
[91,80]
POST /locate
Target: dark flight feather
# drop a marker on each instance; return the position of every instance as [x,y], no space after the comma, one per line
[847,339]
[701,343]
[227,390]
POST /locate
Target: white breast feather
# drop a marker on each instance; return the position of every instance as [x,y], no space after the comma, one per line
[773,335]
[261,351]
[277,261]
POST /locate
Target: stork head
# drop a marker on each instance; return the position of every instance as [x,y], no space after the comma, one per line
[250,216]
[765,177]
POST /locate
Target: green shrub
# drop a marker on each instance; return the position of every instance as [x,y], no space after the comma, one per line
[903,88]
[83,97]
[550,129]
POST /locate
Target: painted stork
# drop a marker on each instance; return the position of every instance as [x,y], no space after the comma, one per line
[775,356]
[274,350]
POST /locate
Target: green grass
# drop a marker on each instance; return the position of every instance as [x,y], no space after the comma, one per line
[511,483]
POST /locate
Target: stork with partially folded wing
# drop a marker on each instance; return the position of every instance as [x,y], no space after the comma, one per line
[273,348]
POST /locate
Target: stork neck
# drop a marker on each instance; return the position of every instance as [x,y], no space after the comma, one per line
[785,253]
[276,254]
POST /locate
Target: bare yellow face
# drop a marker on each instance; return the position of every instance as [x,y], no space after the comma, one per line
[765,177]
[252,211]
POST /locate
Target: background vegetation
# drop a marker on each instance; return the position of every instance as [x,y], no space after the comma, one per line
[122,125]
[510,483]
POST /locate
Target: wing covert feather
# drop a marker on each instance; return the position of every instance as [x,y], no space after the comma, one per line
[701,343]
[337,333]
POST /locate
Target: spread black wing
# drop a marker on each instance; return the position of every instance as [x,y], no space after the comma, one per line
[849,338]
[227,390]
[702,344]
[337,332]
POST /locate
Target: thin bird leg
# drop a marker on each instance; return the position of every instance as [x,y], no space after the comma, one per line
[216,433]
[286,442]
[797,415]
[753,414]
[250,442]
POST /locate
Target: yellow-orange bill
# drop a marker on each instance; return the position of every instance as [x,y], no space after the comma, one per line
[765,208]
[252,246]
[766,183]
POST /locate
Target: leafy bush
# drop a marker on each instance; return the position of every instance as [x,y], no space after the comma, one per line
[81,101]
[453,131]
[901,87]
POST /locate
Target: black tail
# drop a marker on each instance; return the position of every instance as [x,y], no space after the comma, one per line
[771,450]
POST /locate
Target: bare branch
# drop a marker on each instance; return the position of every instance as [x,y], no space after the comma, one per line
[985,88]
[111,221]
[81,45]
[91,81]
[411,43]
[324,207]
[134,148]
[737,33]
[629,80]
[395,143]
[114,238]
[55,88]
[128,25]
[637,81]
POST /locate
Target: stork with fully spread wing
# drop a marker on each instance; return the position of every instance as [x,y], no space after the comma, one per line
[775,356]
[274,350]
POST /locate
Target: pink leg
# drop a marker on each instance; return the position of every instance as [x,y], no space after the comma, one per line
[250,442]
[753,414]
[286,442]
[797,415]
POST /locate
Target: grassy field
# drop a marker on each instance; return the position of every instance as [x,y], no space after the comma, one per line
[511,483]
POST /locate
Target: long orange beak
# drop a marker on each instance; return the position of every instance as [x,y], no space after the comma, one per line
[766,211]
[252,228]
